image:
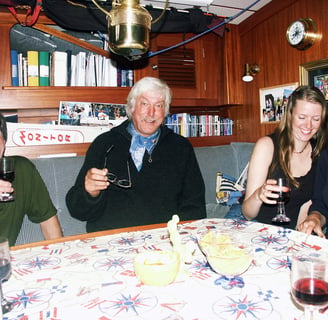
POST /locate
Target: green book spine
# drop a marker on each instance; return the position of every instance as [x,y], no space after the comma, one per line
[44,68]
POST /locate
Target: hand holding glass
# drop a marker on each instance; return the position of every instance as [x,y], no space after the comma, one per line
[5,270]
[7,173]
[283,196]
[309,282]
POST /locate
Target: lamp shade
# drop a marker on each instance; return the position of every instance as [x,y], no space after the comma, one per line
[247,78]
[128,27]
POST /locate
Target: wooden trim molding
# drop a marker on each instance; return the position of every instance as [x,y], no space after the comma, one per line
[93,235]
[33,152]
[263,14]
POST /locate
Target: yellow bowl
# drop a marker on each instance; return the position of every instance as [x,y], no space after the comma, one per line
[214,237]
[229,259]
[156,268]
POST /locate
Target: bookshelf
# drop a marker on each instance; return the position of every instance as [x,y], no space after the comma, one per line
[40,104]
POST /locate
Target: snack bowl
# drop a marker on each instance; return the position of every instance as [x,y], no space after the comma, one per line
[214,237]
[156,268]
[229,259]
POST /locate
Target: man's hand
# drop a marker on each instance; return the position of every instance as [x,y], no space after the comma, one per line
[96,181]
[6,186]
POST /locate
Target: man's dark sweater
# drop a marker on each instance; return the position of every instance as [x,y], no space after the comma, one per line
[169,183]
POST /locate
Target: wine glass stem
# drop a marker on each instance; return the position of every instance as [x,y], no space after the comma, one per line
[281,208]
[1,298]
[310,314]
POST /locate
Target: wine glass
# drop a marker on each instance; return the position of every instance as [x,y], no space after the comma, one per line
[5,270]
[309,282]
[283,196]
[7,173]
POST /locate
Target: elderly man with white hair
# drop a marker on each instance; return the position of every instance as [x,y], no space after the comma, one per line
[140,172]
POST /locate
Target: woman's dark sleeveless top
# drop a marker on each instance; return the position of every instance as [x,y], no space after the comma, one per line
[298,196]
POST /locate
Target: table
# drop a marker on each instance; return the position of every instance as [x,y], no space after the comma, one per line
[91,277]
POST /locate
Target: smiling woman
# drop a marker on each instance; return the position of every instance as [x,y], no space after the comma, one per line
[291,152]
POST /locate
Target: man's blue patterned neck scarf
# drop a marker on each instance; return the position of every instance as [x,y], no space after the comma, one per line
[140,144]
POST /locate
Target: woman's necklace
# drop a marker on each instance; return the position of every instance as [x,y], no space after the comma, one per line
[299,152]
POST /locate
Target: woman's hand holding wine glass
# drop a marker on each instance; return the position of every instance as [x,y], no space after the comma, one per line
[309,282]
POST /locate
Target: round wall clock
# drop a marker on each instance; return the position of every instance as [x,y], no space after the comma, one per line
[302,33]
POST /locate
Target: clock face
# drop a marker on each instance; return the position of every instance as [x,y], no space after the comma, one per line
[302,33]
[296,33]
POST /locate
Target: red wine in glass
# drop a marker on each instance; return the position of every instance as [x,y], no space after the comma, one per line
[7,173]
[283,196]
[311,291]
[309,281]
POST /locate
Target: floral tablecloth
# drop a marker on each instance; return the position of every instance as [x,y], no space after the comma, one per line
[94,279]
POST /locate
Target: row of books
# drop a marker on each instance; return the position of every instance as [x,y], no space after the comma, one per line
[59,68]
[189,125]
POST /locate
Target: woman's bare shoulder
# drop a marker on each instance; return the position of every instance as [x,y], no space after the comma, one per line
[264,144]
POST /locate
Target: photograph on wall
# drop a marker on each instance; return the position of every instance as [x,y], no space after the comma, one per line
[273,101]
[91,114]
[315,73]
[321,81]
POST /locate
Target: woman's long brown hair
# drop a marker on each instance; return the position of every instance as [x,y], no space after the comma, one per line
[285,131]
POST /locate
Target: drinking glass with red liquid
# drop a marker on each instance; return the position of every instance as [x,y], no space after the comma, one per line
[309,282]
[7,173]
[283,196]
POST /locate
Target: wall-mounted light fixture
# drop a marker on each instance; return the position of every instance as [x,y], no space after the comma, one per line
[250,71]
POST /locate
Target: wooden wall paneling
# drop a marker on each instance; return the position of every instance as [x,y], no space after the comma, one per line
[232,86]
[245,120]
[232,67]
[210,55]
[5,77]
[317,10]
[38,115]
[266,32]
[209,141]
[170,39]
[272,8]
[149,67]
[207,52]
[39,97]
